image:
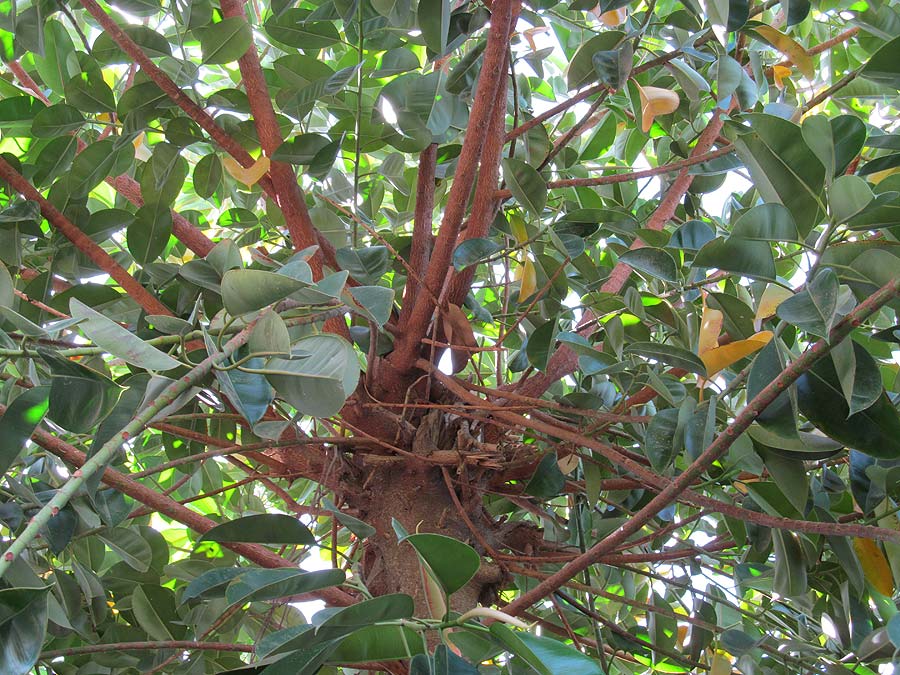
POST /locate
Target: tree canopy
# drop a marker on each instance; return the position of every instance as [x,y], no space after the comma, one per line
[449,337]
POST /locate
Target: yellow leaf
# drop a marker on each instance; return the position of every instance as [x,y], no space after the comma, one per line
[720,666]
[250,175]
[656,101]
[612,18]
[773,296]
[874,565]
[435,599]
[568,463]
[528,276]
[710,327]
[722,357]
[878,176]
[780,74]
[517,227]
[790,48]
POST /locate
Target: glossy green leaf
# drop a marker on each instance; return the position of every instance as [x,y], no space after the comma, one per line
[766,222]
[225,41]
[473,251]
[526,185]
[208,175]
[434,22]
[366,265]
[269,528]
[80,398]
[119,341]
[130,546]
[653,261]
[22,633]
[245,291]
[813,308]
[261,585]
[883,67]
[746,257]
[451,562]
[21,418]
[148,235]
[56,120]
[669,355]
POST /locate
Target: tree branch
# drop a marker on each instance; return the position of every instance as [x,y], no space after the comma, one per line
[82,242]
[185,645]
[422,238]
[407,343]
[718,447]
[287,190]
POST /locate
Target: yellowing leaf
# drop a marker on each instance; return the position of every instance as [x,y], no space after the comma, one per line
[250,175]
[720,666]
[528,276]
[780,74]
[722,357]
[568,463]
[656,101]
[517,227]
[874,565]
[878,176]
[773,296]
[790,48]
[434,594]
[710,327]
[612,18]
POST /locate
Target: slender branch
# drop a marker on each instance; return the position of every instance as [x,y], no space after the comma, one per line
[407,343]
[718,447]
[184,645]
[98,460]
[422,238]
[485,202]
[82,242]
[287,190]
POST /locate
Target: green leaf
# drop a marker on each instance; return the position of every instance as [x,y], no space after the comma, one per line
[22,635]
[883,67]
[783,168]
[653,261]
[268,528]
[106,51]
[260,585]
[366,265]
[874,431]
[148,235]
[208,175]
[451,562]
[581,70]
[434,22]
[56,120]
[526,185]
[547,481]
[270,334]
[320,384]
[613,67]
[668,354]
[225,41]
[378,643]
[790,566]
[377,301]
[814,308]
[391,607]
[131,547]
[292,29]
[154,609]
[80,398]
[545,655]
[660,438]
[301,149]
[212,583]
[19,421]
[245,291]
[89,93]
[848,197]
[766,222]
[119,341]
[473,251]
[746,257]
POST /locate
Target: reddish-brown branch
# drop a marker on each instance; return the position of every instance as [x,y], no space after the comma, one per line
[485,202]
[718,447]
[422,238]
[182,228]
[172,509]
[287,191]
[564,360]
[82,242]
[16,69]
[407,342]
[172,90]
[672,167]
